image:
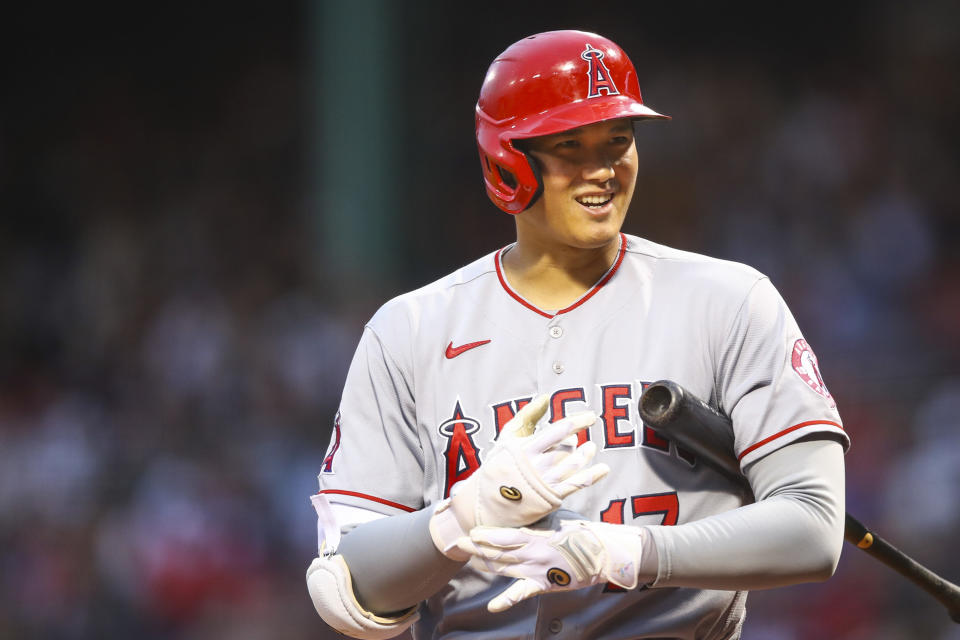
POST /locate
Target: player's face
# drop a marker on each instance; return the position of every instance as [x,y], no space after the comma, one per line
[588,178]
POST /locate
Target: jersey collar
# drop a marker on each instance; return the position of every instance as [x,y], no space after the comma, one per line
[604,279]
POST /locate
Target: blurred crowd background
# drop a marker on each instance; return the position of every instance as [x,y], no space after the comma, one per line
[176,316]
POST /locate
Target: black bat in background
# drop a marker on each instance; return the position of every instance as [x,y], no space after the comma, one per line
[675,413]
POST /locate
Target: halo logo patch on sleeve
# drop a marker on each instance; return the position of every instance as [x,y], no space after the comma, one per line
[804,362]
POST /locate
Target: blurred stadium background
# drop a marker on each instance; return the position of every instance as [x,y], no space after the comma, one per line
[203,203]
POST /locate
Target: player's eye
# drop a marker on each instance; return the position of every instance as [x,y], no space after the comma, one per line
[569,143]
[622,139]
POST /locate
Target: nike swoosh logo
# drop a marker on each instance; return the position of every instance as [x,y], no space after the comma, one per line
[453,352]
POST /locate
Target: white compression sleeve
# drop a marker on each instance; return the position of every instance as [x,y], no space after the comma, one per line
[394,563]
[792,534]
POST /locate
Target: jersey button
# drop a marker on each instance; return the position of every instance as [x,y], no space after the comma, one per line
[556,332]
[556,626]
[558,367]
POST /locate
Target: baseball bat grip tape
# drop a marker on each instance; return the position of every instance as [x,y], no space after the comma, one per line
[678,415]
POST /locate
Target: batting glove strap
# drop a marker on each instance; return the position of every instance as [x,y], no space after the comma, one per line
[505,491]
[578,555]
[445,529]
[600,552]
[509,493]
[623,546]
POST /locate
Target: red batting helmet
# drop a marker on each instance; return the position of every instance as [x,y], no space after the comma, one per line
[544,84]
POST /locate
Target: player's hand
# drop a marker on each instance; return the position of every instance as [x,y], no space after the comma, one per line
[578,555]
[525,477]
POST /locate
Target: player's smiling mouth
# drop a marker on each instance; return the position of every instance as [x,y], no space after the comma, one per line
[595,201]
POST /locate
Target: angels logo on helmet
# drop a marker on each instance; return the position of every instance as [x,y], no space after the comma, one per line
[598,74]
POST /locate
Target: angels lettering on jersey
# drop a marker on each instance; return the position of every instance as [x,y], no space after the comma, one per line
[619,426]
[461,452]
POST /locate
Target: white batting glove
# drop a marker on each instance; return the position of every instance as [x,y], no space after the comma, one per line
[578,555]
[525,477]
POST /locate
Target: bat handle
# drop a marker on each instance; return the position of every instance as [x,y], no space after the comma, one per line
[946,592]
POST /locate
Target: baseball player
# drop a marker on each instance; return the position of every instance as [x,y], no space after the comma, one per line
[489,475]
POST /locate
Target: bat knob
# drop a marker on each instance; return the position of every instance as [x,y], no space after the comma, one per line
[660,401]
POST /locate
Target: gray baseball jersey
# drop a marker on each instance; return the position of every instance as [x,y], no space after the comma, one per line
[440,370]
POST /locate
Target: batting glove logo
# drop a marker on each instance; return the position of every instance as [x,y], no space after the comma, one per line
[558,577]
[511,493]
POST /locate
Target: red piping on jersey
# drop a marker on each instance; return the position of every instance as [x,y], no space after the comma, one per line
[785,432]
[506,287]
[604,280]
[395,505]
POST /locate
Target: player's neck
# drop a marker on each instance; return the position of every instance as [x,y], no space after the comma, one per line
[554,277]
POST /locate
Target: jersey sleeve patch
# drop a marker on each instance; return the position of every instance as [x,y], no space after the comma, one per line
[804,362]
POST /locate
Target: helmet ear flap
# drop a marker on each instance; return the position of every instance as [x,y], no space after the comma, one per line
[497,176]
[511,175]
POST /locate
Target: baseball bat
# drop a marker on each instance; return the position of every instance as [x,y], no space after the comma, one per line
[677,414]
